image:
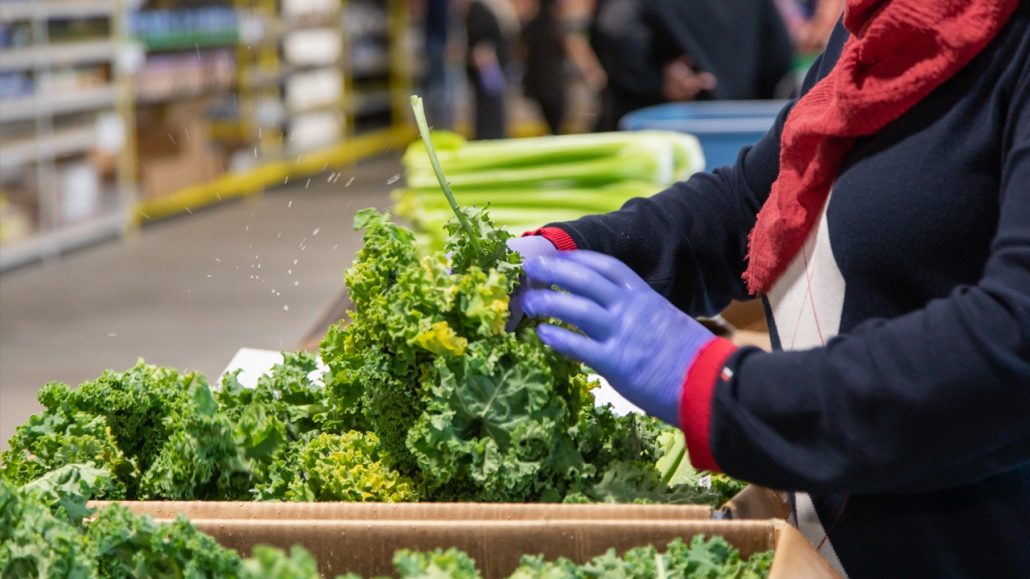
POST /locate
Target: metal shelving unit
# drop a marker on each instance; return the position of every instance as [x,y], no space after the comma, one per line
[40,130]
[53,9]
[67,54]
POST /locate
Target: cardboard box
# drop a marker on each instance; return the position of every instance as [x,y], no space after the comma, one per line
[363,537]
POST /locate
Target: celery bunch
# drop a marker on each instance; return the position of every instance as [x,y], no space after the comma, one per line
[530,182]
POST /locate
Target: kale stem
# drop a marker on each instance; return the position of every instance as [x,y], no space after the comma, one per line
[423,131]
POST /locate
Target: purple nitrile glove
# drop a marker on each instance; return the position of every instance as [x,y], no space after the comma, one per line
[635,338]
[529,247]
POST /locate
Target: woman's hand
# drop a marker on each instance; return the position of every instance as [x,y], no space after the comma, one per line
[635,338]
[529,247]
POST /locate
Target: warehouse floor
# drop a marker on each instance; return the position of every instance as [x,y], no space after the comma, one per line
[186,293]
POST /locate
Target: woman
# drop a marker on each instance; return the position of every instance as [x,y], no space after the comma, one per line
[885,223]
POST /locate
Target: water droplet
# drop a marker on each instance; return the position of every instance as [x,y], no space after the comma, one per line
[286,308]
[289,271]
[218,260]
[290,204]
[112,334]
[308,184]
[315,232]
[336,246]
[209,275]
[349,181]
[295,261]
[296,283]
[393,179]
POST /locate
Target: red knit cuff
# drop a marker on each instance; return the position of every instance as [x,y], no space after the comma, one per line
[555,235]
[696,401]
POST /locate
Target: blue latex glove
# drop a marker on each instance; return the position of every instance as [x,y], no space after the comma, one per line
[529,247]
[635,338]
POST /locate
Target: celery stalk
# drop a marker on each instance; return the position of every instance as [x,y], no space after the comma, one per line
[423,131]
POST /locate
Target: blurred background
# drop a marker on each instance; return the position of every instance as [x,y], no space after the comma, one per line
[178,177]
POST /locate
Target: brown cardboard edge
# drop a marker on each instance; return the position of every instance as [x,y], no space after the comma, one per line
[755,502]
[242,510]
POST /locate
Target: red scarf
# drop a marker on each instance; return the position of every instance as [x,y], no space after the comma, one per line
[899,52]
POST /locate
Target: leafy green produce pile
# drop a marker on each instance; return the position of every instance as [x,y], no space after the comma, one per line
[426,397]
[700,558]
[530,182]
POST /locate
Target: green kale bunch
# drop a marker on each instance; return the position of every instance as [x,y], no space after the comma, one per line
[142,425]
[468,410]
[166,435]
[700,558]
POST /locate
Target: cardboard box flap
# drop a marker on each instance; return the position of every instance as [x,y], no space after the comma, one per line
[795,556]
[755,502]
[238,510]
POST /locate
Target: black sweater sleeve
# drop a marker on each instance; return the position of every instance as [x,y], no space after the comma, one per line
[934,399]
[689,241]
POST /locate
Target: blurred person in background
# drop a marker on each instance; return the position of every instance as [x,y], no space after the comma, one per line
[657,51]
[554,51]
[544,78]
[491,27]
[435,24]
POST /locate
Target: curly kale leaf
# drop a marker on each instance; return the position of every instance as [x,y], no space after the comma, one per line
[267,562]
[200,459]
[127,545]
[140,409]
[334,467]
[36,542]
[66,490]
[490,250]
[284,406]
[51,440]
[451,563]
[495,420]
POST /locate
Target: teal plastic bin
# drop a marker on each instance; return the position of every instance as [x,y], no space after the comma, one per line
[722,127]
